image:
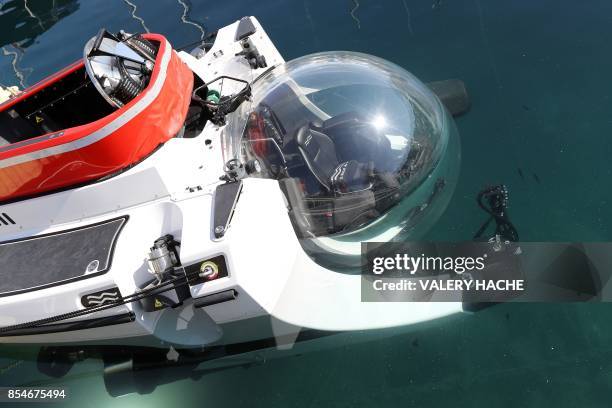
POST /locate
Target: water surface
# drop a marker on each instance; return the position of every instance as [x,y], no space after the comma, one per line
[538,73]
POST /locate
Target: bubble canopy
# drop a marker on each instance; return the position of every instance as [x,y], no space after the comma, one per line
[358,145]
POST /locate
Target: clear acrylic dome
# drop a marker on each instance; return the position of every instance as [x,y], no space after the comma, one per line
[362,150]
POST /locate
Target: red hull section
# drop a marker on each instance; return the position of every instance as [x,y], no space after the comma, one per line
[86,153]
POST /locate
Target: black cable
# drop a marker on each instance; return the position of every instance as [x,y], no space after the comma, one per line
[496,204]
[482,228]
[226,104]
[119,302]
[202,41]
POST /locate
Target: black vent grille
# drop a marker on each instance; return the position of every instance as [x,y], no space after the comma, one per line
[6,219]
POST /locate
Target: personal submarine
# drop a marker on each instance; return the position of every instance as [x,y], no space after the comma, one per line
[151,197]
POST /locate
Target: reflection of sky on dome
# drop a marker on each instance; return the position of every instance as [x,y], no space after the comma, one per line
[379,122]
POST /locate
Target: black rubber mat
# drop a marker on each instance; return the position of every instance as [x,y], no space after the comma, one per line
[49,259]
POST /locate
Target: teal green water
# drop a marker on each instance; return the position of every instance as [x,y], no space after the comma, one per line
[538,73]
